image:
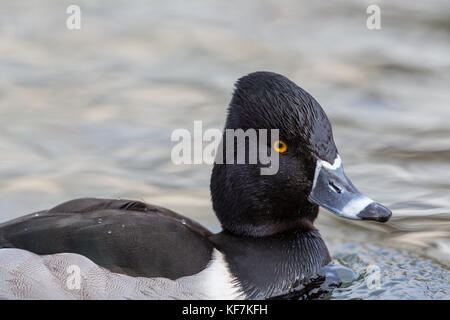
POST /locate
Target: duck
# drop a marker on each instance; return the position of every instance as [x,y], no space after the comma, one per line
[268,245]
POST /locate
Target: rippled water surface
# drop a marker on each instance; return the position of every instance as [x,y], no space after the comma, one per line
[90,113]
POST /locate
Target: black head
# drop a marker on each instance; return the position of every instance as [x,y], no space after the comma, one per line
[267,100]
[249,203]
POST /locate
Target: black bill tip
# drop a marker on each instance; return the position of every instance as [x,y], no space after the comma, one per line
[375,212]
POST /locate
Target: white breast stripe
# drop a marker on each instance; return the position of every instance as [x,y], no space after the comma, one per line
[215,281]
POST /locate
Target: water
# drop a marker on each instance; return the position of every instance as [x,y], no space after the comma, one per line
[90,112]
[402,274]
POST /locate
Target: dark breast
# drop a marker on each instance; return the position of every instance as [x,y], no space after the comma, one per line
[274,265]
[123,236]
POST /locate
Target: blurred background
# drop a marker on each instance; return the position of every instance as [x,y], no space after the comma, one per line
[90,112]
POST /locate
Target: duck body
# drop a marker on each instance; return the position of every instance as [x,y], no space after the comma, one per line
[268,248]
[141,240]
[128,237]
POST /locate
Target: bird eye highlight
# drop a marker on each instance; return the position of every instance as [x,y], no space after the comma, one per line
[280,146]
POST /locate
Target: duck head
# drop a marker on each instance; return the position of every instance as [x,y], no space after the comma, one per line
[310,172]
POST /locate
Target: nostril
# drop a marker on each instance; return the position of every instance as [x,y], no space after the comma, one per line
[335,187]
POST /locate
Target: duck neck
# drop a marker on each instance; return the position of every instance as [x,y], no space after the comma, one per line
[274,265]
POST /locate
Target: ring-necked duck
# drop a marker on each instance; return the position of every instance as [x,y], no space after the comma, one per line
[268,245]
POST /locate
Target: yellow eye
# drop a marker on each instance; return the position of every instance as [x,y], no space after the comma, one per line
[280,146]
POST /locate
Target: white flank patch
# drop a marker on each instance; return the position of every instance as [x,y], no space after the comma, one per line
[25,275]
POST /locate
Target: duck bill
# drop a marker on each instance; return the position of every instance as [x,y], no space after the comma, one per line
[333,191]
